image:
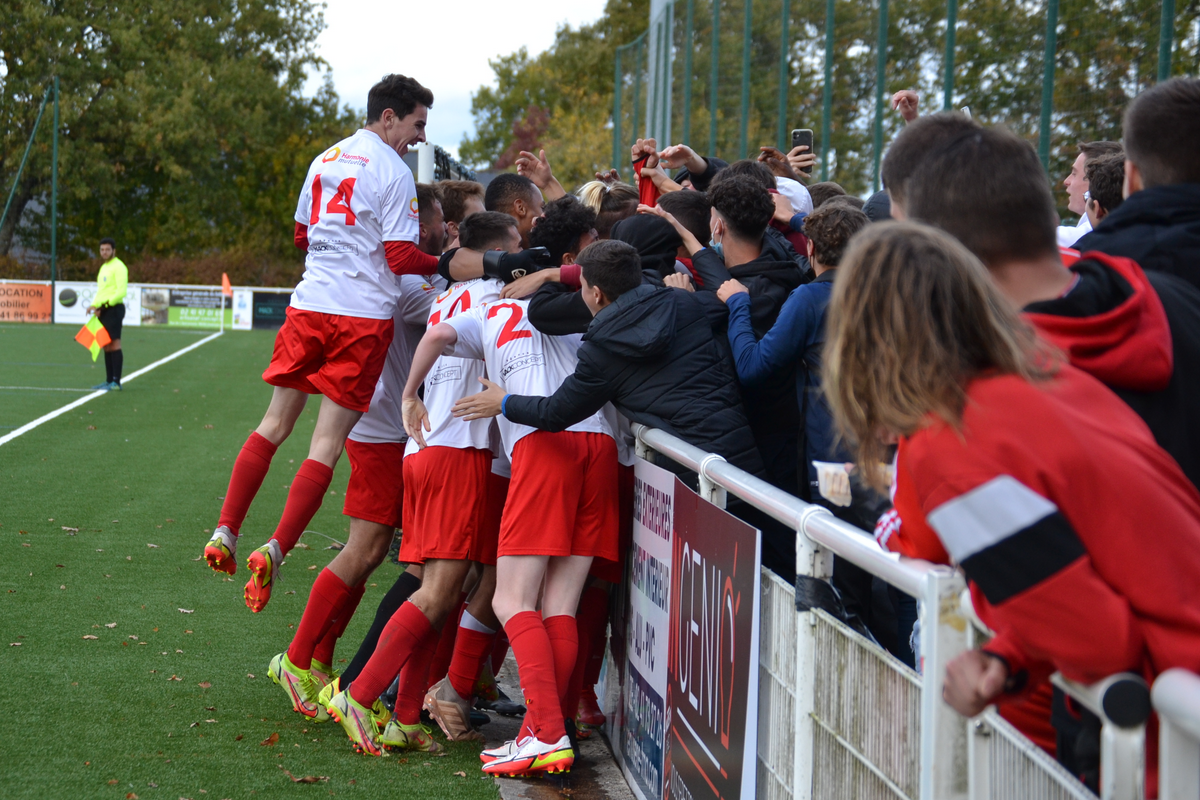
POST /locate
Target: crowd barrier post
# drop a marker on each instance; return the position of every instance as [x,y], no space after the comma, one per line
[688,47]
[1176,698]
[815,563]
[881,51]
[944,765]
[618,80]
[1122,702]
[785,45]
[744,127]
[1048,81]
[714,78]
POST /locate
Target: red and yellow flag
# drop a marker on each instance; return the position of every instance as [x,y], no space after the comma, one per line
[226,289]
[93,336]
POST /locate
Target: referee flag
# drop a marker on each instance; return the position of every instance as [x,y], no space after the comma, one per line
[93,336]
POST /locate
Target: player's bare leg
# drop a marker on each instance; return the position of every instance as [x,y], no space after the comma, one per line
[311,482]
[249,469]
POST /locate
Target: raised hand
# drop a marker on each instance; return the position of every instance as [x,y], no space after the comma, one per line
[905,101]
[777,162]
[680,155]
[801,159]
[536,168]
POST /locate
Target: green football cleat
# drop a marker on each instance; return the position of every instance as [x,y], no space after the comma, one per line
[264,571]
[221,550]
[323,673]
[378,709]
[358,722]
[299,686]
[418,738]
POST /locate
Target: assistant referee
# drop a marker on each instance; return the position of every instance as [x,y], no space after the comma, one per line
[109,306]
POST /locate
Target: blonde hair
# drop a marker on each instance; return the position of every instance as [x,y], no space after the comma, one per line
[913,318]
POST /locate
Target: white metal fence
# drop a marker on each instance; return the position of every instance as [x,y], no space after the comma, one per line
[839,717]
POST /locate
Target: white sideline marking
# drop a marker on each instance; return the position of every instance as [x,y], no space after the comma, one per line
[42,389]
[27,427]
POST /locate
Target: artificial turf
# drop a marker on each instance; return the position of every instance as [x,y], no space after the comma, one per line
[172,700]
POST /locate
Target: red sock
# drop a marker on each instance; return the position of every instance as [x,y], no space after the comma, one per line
[535,662]
[564,641]
[407,632]
[324,649]
[445,648]
[249,469]
[303,501]
[414,680]
[592,624]
[471,648]
[500,651]
[325,602]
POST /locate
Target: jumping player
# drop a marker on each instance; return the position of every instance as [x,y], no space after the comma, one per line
[561,512]
[357,218]
[445,496]
[375,448]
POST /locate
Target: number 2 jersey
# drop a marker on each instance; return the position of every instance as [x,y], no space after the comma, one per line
[455,377]
[358,196]
[522,360]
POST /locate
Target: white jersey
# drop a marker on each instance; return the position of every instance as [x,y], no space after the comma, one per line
[383,422]
[358,195]
[522,360]
[453,378]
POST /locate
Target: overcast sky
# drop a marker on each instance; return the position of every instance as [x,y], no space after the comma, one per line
[445,45]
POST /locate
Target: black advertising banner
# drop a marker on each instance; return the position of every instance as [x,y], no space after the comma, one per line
[270,310]
[712,671]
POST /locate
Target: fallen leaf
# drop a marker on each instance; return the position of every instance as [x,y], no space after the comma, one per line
[90,636]
[129,558]
[134,638]
[63,586]
[168,520]
[306,778]
[208,427]
[155,630]
[270,740]
[174,678]
[66,528]
[314,566]
[142,644]
[187,611]
[60,566]
[25,544]
[204,685]
[15,644]
[110,624]
[186,631]
[178,651]
[91,427]
[113,782]
[238,738]
[291,592]
[151,545]
[152,785]
[461,774]
[210,708]
[249,674]
[194,724]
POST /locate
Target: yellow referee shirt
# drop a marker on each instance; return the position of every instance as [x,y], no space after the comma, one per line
[111,283]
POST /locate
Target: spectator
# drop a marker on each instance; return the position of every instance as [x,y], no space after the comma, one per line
[783,239]
[878,206]
[1158,226]
[660,355]
[693,211]
[824,191]
[566,227]
[1076,184]
[1028,474]
[460,199]
[924,135]
[518,197]
[610,201]
[987,190]
[655,240]
[1105,177]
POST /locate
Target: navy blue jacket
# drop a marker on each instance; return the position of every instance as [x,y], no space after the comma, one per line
[794,342]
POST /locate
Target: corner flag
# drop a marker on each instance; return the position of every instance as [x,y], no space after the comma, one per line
[93,336]
[226,289]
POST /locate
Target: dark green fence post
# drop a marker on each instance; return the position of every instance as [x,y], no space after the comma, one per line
[712,83]
[1166,37]
[784,50]
[637,87]
[618,85]
[28,146]
[657,76]
[948,61]
[54,200]
[827,90]
[665,73]
[743,133]
[1048,82]
[880,76]
[688,46]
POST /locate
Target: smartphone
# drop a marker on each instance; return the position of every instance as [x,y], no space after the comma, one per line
[803,136]
[966,110]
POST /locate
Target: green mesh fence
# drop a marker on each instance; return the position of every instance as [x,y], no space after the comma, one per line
[727,76]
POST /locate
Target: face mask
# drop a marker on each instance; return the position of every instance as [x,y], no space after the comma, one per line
[717,247]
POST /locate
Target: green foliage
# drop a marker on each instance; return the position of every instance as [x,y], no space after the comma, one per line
[183,125]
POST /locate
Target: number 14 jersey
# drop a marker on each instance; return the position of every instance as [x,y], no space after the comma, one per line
[522,360]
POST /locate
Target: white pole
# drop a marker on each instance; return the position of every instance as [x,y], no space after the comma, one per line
[222,311]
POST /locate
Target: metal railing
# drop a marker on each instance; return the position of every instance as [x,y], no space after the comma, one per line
[839,717]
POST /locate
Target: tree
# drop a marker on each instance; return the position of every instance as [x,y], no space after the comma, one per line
[183,125]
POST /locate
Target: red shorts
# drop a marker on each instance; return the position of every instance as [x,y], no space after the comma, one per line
[338,356]
[497,493]
[445,497]
[614,571]
[562,500]
[376,489]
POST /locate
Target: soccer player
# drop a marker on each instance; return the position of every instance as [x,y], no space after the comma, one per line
[460,199]
[358,220]
[109,301]
[445,496]
[561,512]
[375,448]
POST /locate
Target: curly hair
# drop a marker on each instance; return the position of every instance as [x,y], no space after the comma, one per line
[756,171]
[1106,178]
[830,227]
[566,220]
[744,205]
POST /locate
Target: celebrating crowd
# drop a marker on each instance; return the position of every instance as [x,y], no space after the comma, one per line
[992,390]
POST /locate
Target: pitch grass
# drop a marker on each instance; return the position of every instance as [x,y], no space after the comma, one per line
[173,712]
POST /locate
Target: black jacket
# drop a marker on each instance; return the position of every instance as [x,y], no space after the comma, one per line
[661,357]
[772,405]
[1158,228]
[1110,326]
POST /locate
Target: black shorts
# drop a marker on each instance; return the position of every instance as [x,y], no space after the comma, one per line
[111,318]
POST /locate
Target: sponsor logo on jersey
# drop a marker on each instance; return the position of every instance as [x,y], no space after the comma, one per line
[332,246]
[519,363]
[443,374]
[413,207]
[358,161]
[331,154]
